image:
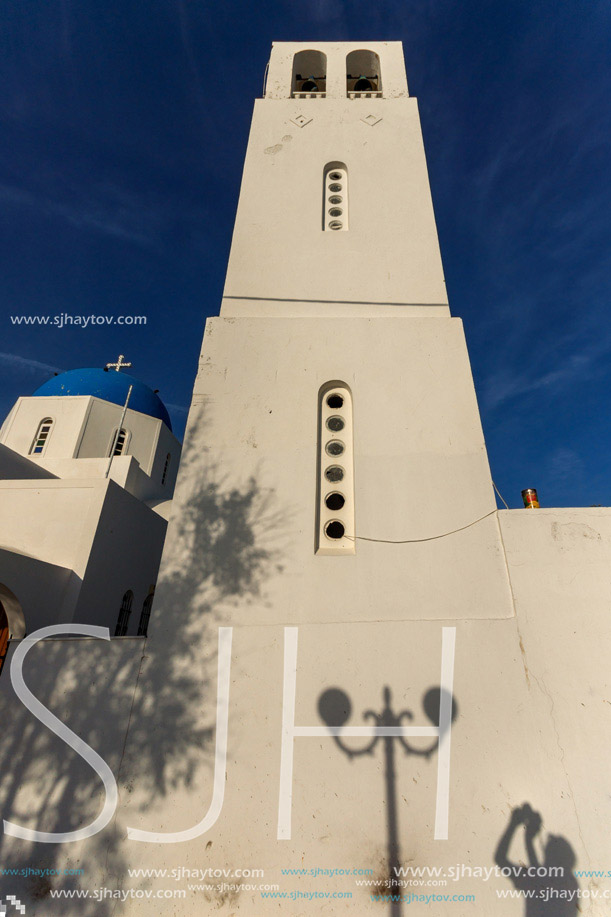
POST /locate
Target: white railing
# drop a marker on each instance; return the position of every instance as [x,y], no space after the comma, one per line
[308,95]
[365,95]
[322,95]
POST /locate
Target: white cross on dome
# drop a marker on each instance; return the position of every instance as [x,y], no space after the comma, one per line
[118,365]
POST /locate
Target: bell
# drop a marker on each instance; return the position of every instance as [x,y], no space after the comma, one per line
[309,86]
[363,85]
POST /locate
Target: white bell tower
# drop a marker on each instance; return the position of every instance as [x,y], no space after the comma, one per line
[335,295]
[301,249]
[334,509]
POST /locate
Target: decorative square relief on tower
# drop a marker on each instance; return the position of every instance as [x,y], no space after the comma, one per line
[371,120]
[301,120]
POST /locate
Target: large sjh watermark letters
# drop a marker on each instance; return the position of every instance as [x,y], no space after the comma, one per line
[289,732]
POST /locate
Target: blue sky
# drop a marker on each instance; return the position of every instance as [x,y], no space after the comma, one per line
[122,136]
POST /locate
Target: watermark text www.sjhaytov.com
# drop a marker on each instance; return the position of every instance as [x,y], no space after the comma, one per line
[27,871]
[65,320]
[99,894]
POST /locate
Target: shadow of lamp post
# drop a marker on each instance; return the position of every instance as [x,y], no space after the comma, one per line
[335,708]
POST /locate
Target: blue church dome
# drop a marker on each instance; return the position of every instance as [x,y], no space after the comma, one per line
[109,386]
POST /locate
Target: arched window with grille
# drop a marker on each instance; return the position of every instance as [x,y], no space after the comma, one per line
[119,442]
[124,613]
[42,436]
[166,467]
[143,626]
[4,635]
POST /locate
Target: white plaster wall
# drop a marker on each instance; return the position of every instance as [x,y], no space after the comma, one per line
[15,466]
[103,420]
[121,469]
[561,580]
[80,439]
[532,699]
[390,255]
[287,308]
[71,550]
[124,469]
[46,592]
[125,554]
[68,414]
[166,444]
[51,520]
[420,462]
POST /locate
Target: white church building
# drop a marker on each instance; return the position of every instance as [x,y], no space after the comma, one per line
[355,664]
[85,492]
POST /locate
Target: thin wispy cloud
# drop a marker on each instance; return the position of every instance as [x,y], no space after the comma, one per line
[105,209]
[177,408]
[564,466]
[13,361]
[509,382]
[328,12]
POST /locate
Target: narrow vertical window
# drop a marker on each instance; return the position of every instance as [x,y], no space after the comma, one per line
[165,468]
[363,79]
[335,197]
[42,436]
[145,615]
[335,517]
[309,75]
[118,443]
[124,613]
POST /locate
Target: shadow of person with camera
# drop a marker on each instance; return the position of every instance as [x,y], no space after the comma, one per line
[545,895]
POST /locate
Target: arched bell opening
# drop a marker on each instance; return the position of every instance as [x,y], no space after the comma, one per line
[309,74]
[363,73]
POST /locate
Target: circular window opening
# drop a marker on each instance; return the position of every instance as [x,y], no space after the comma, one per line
[334,501]
[335,447]
[335,224]
[335,187]
[335,199]
[334,473]
[335,176]
[334,530]
[335,423]
[335,401]
[336,212]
